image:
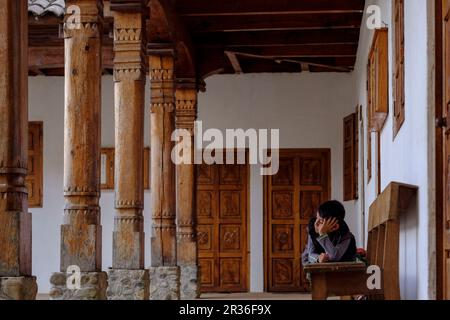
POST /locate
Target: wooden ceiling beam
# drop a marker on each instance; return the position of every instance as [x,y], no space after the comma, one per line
[338,64]
[293,51]
[129,6]
[274,22]
[221,7]
[234,60]
[46,31]
[215,62]
[263,66]
[262,38]
[40,58]
[267,66]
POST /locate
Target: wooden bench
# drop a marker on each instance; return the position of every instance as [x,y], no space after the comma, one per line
[350,278]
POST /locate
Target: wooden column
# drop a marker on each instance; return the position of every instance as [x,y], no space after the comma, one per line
[81,234]
[186,114]
[129,86]
[127,279]
[15,221]
[162,168]
[163,240]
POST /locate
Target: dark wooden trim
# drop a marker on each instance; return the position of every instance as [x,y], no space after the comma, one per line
[265,22]
[257,38]
[36,130]
[110,177]
[251,7]
[350,161]
[265,220]
[378,142]
[109,169]
[439,146]
[398,24]
[128,6]
[378,79]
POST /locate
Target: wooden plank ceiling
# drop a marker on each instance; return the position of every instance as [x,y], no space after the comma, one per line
[241,36]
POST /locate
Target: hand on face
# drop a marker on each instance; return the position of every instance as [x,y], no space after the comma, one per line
[324,226]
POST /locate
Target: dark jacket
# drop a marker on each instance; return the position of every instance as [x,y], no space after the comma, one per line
[340,245]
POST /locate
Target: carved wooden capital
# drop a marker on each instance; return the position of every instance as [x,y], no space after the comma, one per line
[185,223]
[129,56]
[186,108]
[84,15]
[186,237]
[162,107]
[87,29]
[162,75]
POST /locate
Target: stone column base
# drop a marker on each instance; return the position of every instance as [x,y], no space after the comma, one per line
[93,286]
[189,282]
[128,284]
[18,288]
[164,283]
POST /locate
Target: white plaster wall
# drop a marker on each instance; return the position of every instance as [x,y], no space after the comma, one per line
[405,159]
[307,108]
[46,103]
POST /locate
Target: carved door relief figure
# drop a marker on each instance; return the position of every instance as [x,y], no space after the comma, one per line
[291,199]
[221,212]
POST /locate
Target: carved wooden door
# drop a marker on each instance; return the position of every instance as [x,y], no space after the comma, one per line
[221,209]
[292,197]
[446,139]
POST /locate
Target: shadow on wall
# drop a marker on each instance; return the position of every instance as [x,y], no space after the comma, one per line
[409,243]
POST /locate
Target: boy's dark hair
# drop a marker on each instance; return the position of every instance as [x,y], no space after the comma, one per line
[332,209]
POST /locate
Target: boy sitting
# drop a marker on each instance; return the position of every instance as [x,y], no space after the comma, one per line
[329,238]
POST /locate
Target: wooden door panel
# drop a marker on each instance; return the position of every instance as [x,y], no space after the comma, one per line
[231,273]
[309,203]
[221,208]
[207,272]
[205,201]
[230,238]
[311,171]
[205,174]
[283,274]
[230,174]
[282,205]
[205,236]
[292,198]
[283,239]
[285,174]
[230,204]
